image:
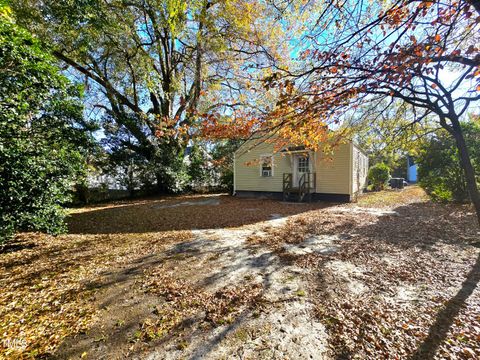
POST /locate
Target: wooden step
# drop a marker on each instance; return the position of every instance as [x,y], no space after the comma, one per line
[295,190]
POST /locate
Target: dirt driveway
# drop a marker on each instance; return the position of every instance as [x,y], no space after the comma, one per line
[217,277]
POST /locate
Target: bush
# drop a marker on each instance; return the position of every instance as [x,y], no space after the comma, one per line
[41,141]
[198,169]
[439,170]
[378,176]
[223,156]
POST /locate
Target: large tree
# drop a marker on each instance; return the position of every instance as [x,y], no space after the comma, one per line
[439,166]
[423,53]
[152,65]
[388,132]
[43,137]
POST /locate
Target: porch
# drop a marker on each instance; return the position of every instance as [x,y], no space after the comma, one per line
[299,190]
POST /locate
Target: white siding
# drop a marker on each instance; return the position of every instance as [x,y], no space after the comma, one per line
[333,171]
[359,169]
[248,176]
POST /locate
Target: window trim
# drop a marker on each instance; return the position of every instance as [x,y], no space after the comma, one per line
[261,165]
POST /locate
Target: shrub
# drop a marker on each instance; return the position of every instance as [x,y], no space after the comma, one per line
[41,142]
[378,176]
[439,170]
[223,157]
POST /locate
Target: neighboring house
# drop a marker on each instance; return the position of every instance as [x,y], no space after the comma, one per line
[299,174]
[98,179]
[411,170]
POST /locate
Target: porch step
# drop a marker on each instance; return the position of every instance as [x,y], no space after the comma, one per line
[296,196]
[300,192]
[292,190]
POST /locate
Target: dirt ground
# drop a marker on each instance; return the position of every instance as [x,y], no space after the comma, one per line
[217,277]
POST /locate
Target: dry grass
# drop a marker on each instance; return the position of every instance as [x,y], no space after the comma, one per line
[389,198]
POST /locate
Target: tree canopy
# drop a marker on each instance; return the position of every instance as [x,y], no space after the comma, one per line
[153,67]
[439,169]
[423,53]
[159,72]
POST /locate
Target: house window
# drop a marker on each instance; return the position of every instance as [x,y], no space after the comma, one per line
[303,164]
[266,168]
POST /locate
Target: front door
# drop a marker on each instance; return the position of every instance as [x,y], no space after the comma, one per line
[301,166]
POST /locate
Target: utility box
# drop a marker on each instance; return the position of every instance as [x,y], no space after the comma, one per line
[396,183]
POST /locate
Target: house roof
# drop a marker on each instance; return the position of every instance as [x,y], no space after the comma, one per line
[297,148]
[294,148]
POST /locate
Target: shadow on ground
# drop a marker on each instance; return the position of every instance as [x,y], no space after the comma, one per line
[220,211]
[445,318]
[414,231]
[211,260]
[416,265]
[207,265]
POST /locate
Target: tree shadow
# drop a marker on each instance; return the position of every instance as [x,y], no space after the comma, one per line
[18,245]
[414,226]
[445,318]
[399,241]
[122,312]
[122,297]
[154,215]
[419,225]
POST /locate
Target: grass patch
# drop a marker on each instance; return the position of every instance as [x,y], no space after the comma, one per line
[391,197]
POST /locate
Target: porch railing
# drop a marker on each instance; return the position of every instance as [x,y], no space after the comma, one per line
[306,185]
[287,181]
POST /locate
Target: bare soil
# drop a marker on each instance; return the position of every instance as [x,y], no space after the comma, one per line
[216,277]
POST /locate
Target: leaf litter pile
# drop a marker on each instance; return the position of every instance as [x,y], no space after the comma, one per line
[47,290]
[402,281]
[184,301]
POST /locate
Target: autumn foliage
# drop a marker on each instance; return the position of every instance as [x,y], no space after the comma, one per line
[422,53]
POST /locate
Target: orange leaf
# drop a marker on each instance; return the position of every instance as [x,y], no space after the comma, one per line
[438,38]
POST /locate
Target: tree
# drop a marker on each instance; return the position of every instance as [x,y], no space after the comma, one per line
[439,170]
[223,157]
[42,135]
[152,66]
[424,53]
[389,135]
[199,168]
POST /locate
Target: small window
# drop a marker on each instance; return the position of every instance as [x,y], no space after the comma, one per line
[266,162]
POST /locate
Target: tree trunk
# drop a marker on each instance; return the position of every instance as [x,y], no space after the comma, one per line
[467,166]
[131,180]
[161,187]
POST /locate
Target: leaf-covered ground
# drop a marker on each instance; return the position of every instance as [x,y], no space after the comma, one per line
[402,281]
[55,287]
[392,276]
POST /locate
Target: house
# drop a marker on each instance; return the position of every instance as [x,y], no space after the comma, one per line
[297,174]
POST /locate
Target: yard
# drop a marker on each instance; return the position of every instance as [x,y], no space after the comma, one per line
[213,276]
